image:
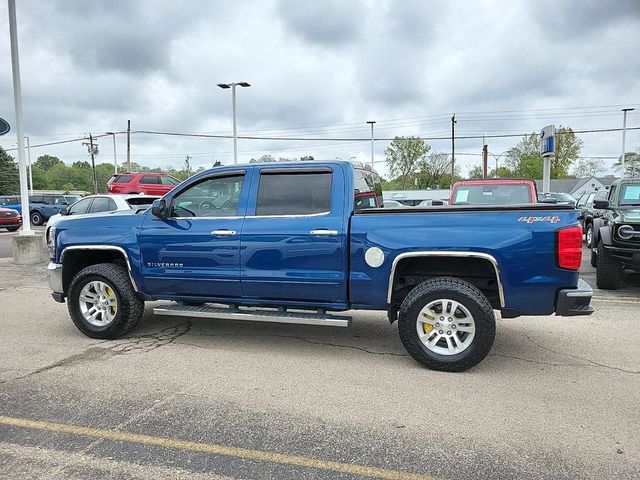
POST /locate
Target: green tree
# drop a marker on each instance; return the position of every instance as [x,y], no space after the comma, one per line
[503,172]
[40,179]
[404,156]
[45,162]
[568,148]
[631,164]
[476,172]
[435,170]
[530,167]
[306,158]
[522,158]
[9,178]
[588,167]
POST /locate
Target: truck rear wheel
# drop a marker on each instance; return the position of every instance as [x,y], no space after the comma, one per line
[447,324]
[102,302]
[608,269]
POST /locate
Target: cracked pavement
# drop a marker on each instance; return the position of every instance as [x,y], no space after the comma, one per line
[556,398]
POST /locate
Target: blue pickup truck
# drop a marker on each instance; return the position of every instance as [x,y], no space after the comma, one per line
[296,243]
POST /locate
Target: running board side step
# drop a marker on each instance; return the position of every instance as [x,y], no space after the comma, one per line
[280,315]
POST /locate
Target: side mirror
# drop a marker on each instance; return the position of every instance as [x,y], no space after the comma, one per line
[159,209]
[64,211]
[600,204]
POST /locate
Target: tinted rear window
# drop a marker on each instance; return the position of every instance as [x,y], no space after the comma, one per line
[135,202]
[123,178]
[149,179]
[294,193]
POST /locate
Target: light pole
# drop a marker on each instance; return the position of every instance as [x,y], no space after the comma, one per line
[232,86]
[29,164]
[115,158]
[371,122]
[453,147]
[340,158]
[17,98]
[624,134]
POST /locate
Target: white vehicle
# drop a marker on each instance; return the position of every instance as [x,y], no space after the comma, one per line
[101,204]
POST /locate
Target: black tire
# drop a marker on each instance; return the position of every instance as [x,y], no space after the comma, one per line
[130,306]
[608,270]
[36,218]
[594,258]
[467,295]
[13,229]
[588,236]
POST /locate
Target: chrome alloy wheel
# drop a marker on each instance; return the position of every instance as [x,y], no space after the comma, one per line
[445,327]
[98,303]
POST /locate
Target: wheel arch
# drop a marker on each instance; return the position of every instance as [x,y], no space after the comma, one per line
[412,268]
[75,258]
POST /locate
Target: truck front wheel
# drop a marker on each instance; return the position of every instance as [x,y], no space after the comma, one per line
[102,302]
[447,324]
[608,269]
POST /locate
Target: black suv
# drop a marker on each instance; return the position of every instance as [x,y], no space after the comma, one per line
[588,213]
[616,233]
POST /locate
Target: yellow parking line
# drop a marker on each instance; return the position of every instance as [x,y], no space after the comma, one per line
[211,448]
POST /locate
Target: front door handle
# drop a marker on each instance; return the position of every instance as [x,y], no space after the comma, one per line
[223,233]
[324,232]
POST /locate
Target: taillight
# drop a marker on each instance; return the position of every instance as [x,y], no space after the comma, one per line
[569,247]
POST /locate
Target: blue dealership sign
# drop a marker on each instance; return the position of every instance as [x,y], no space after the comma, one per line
[548,141]
[4,126]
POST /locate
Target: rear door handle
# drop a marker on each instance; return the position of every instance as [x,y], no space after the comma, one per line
[223,233]
[324,232]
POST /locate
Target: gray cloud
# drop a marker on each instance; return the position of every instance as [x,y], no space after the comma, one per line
[331,22]
[90,66]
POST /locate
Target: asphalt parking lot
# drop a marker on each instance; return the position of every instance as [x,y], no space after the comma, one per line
[192,398]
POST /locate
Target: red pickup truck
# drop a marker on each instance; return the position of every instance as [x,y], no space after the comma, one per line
[493,191]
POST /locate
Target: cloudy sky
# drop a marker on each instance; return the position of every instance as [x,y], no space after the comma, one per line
[320,70]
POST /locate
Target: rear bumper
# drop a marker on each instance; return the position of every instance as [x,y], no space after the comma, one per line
[575,301]
[54,278]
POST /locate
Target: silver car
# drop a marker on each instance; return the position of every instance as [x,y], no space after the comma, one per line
[93,204]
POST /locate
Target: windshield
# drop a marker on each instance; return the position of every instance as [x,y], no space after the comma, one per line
[630,194]
[497,194]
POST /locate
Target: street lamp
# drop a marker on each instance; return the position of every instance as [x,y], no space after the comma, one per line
[497,158]
[624,134]
[232,86]
[371,122]
[340,158]
[115,159]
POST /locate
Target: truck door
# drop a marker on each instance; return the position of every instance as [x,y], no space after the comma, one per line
[196,251]
[293,243]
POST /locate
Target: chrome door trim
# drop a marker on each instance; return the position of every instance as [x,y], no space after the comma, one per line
[324,232]
[446,253]
[103,247]
[223,233]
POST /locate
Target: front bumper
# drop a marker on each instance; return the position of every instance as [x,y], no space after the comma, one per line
[629,256]
[54,277]
[575,301]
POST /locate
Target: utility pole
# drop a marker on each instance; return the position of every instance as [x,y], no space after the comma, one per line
[453,147]
[485,161]
[93,151]
[129,145]
[115,158]
[186,162]
[371,122]
[29,164]
[624,134]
